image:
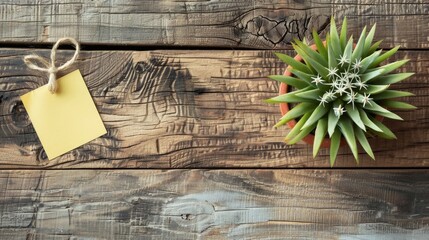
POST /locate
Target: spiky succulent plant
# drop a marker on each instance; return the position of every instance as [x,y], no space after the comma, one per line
[341,89]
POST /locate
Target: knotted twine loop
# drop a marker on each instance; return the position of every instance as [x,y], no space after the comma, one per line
[35,62]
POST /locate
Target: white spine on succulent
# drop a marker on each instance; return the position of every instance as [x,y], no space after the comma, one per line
[360,84]
[331,94]
[338,111]
[352,99]
[341,90]
[318,79]
[333,84]
[357,64]
[345,74]
[343,79]
[323,99]
[366,99]
[332,72]
[348,84]
[343,60]
[354,76]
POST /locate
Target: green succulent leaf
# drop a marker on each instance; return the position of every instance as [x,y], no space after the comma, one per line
[377,109]
[332,122]
[343,34]
[388,94]
[321,129]
[320,46]
[348,50]
[398,105]
[384,56]
[295,112]
[293,63]
[332,57]
[367,121]
[374,89]
[314,55]
[304,132]
[335,145]
[368,60]
[318,113]
[287,98]
[336,45]
[391,78]
[360,136]
[310,94]
[368,41]
[392,66]
[357,52]
[390,115]
[298,83]
[304,40]
[371,75]
[303,76]
[353,112]
[346,128]
[374,47]
[385,131]
[318,66]
[297,128]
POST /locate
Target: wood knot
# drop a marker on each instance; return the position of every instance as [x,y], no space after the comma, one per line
[41,155]
[152,62]
[141,67]
[188,216]
[15,118]
[19,115]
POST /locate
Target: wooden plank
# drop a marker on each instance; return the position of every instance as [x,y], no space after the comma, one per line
[263,24]
[198,109]
[214,204]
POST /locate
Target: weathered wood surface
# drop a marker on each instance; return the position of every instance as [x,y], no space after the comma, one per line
[263,24]
[198,109]
[214,204]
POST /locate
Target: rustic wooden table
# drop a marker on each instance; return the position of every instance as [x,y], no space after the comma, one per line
[190,151]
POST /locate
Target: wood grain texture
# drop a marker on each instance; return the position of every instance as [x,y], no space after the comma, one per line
[199,109]
[262,24]
[216,204]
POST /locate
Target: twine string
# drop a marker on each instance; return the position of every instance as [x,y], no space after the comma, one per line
[39,63]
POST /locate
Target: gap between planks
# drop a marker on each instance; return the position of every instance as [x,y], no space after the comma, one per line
[357,168]
[136,47]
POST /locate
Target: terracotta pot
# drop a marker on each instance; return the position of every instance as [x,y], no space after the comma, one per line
[284,107]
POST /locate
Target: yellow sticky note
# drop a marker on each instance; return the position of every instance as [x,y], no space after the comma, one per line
[64,120]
